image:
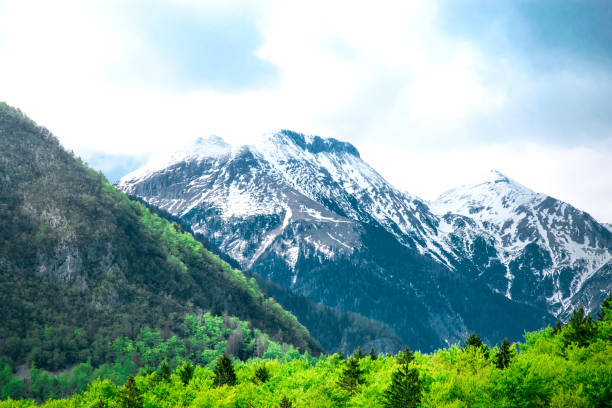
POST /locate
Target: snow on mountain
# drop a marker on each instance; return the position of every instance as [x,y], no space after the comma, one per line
[203,148]
[323,181]
[569,245]
[254,184]
[310,214]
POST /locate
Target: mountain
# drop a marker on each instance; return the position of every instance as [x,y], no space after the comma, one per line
[309,214]
[334,329]
[82,265]
[532,247]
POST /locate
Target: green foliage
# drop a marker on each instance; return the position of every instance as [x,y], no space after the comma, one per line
[10,387]
[359,354]
[473,341]
[352,376]
[206,340]
[504,355]
[285,403]
[224,372]
[82,265]
[405,389]
[579,329]
[606,308]
[558,327]
[262,374]
[372,354]
[164,371]
[129,396]
[544,374]
[121,311]
[185,372]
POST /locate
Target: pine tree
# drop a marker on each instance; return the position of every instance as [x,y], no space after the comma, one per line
[164,370]
[474,341]
[606,307]
[186,372]
[129,396]
[405,389]
[504,355]
[558,327]
[359,354]
[579,329]
[285,403]
[373,355]
[224,372]
[262,374]
[351,376]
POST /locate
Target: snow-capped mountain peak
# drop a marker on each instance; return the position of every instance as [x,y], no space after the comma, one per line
[203,148]
[211,146]
[495,176]
[313,144]
[496,198]
[310,214]
[528,231]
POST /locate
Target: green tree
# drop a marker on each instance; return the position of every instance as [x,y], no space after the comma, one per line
[474,341]
[504,355]
[224,372]
[405,389]
[186,372]
[129,396]
[10,386]
[262,374]
[373,355]
[558,327]
[579,329]
[351,376]
[285,403]
[359,354]
[606,308]
[164,370]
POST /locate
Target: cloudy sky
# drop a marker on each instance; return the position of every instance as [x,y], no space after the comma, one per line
[432,93]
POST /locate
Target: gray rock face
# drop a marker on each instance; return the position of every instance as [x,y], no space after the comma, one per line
[309,214]
[531,247]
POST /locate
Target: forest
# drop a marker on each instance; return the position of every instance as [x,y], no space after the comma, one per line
[564,366]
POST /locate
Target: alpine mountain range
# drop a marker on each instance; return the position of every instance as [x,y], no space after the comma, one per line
[307,213]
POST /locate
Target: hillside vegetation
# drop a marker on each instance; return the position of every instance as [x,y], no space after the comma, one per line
[82,265]
[567,366]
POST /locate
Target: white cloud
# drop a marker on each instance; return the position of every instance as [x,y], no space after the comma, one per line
[383,76]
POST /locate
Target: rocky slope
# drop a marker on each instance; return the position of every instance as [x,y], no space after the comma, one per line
[531,247]
[309,214]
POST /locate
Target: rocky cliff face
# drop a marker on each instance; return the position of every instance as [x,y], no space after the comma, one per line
[309,214]
[531,247]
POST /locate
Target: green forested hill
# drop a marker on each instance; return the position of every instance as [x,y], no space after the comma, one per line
[82,265]
[562,368]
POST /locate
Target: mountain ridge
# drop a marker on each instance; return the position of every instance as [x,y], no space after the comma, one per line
[81,264]
[314,223]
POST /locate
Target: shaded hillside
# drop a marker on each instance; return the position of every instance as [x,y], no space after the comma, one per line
[335,329]
[81,264]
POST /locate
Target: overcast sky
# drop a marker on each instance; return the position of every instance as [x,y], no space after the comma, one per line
[432,93]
